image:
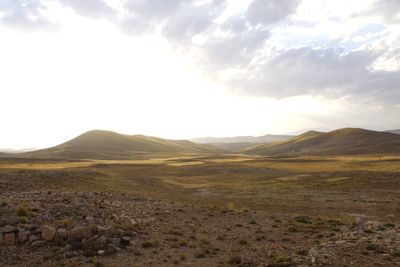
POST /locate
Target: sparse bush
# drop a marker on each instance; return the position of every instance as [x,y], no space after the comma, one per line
[389,225]
[396,254]
[319,236]
[200,255]
[302,252]
[149,244]
[235,259]
[243,242]
[22,211]
[183,243]
[283,262]
[303,219]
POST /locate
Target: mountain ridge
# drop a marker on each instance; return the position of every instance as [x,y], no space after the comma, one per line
[346,141]
[101,144]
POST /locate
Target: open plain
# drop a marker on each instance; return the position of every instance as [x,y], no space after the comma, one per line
[201,210]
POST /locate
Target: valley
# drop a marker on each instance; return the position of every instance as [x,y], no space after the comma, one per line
[204,210]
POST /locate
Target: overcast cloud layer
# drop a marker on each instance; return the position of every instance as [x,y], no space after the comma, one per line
[269,48]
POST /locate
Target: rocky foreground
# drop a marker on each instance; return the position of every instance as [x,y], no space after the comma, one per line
[46,228]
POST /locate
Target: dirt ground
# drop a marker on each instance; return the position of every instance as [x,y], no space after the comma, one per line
[201,210]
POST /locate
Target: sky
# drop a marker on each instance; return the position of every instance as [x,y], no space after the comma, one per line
[191,68]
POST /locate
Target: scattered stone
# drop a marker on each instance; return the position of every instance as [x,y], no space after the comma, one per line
[125,241]
[102,242]
[106,230]
[61,234]
[9,239]
[33,238]
[89,219]
[48,233]
[114,217]
[38,243]
[116,241]
[22,236]
[81,232]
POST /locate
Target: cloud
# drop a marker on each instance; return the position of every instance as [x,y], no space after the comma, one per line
[90,8]
[328,72]
[236,45]
[25,15]
[271,11]
[388,9]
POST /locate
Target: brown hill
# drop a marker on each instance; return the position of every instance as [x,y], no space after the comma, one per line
[348,141]
[394,131]
[110,145]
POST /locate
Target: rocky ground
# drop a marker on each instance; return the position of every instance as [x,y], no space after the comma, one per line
[52,228]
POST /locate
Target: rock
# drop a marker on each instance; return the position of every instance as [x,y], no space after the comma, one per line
[60,237]
[372,224]
[81,232]
[106,230]
[48,233]
[61,234]
[22,236]
[9,239]
[38,243]
[116,241]
[125,241]
[67,247]
[89,219]
[33,238]
[112,249]
[321,255]
[8,229]
[87,248]
[102,242]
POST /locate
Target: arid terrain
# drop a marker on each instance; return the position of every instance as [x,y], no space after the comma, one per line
[201,210]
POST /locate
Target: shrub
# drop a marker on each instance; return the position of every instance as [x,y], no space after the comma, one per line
[22,211]
[235,259]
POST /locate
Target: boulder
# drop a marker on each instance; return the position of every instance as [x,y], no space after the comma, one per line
[102,242]
[61,234]
[125,241]
[106,230]
[48,233]
[9,229]
[38,243]
[22,236]
[81,232]
[9,238]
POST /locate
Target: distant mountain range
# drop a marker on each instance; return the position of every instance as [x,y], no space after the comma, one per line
[394,131]
[239,143]
[110,145]
[242,139]
[348,141]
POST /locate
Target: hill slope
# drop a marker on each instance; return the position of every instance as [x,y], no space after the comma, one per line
[348,141]
[394,131]
[242,139]
[109,145]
